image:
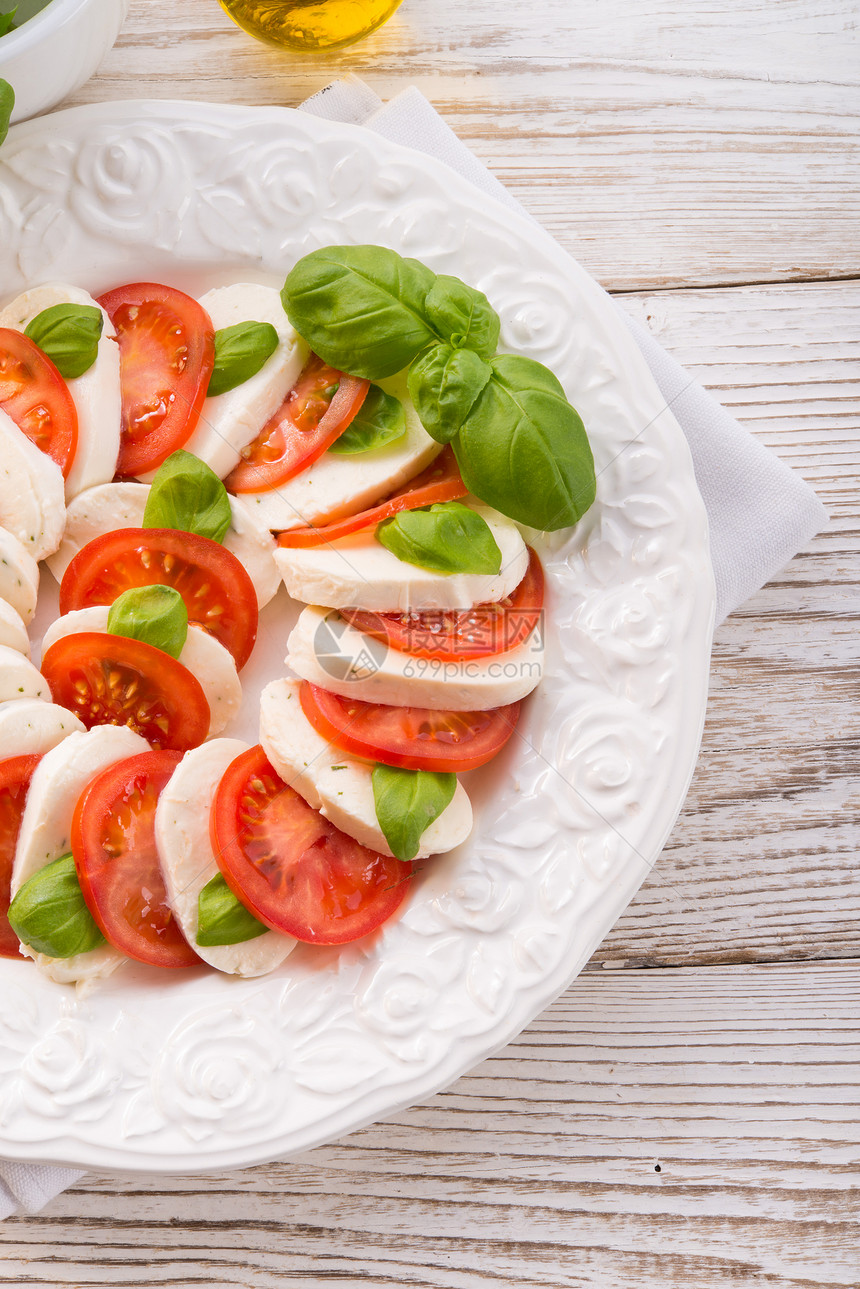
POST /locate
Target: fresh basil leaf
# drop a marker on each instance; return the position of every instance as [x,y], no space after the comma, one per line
[188,495]
[240,352]
[222,918]
[381,419]
[523,449]
[463,315]
[445,538]
[155,614]
[50,915]
[407,802]
[7,102]
[444,384]
[7,21]
[69,334]
[361,308]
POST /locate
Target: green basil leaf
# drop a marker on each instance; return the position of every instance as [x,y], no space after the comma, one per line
[7,21]
[69,334]
[50,915]
[361,308]
[155,614]
[523,449]
[240,352]
[381,419]
[188,495]
[7,102]
[444,384]
[222,918]
[445,538]
[407,802]
[463,315]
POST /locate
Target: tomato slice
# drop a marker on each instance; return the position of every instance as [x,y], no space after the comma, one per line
[416,738]
[440,481]
[308,421]
[113,680]
[37,398]
[166,353]
[460,635]
[113,842]
[292,868]
[218,593]
[15,775]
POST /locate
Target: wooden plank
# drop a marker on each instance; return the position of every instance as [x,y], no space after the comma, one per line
[696,1128]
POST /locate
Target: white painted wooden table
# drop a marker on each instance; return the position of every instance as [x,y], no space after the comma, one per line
[687,1114]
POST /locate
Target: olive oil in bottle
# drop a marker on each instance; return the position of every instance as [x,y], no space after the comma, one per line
[309,25]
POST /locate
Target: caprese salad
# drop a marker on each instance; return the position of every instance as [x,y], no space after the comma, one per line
[353,439]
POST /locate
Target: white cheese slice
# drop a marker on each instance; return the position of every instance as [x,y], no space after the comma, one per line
[96,394]
[203,655]
[337,485]
[13,633]
[325,650]
[359,571]
[122,505]
[19,678]
[45,833]
[29,726]
[32,501]
[19,575]
[188,861]
[337,784]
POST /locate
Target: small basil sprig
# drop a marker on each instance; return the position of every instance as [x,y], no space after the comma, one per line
[240,352]
[7,21]
[188,495]
[222,918]
[380,420]
[444,384]
[407,802]
[69,334]
[445,538]
[7,102]
[50,915]
[154,614]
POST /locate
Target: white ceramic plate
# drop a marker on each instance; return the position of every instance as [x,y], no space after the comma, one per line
[185,1071]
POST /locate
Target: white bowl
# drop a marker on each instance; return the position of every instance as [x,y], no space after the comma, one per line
[54,52]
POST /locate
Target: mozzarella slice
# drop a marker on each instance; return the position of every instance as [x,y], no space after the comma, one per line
[19,678]
[188,861]
[325,650]
[339,785]
[28,726]
[19,575]
[96,393]
[342,485]
[122,505]
[203,655]
[359,570]
[32,502]
[45,833]
[13,633]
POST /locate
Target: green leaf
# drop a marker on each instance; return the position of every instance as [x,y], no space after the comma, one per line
[155,614]
[50,915]
[222,918]
[188,495]
[523,449]
[381,419]
[7,21]
[361,308]
[69,334]
[444,384]
[240,352]
[407,802]
[7,102]
[445,538]
[463,315]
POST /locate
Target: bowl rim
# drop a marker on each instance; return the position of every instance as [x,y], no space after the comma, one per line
[53,15]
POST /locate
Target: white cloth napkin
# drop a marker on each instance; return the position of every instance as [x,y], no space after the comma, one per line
[761,513]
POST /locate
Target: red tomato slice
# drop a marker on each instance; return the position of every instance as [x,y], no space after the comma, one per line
[166,353]
[307,422]
[440,481]
[473,633]
[218,593]
[37,398]
[112,680]
[292,868]
[113,842]
[15,775]
[416,738]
